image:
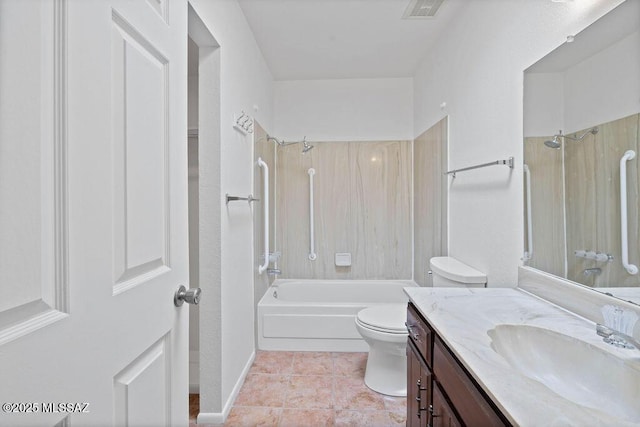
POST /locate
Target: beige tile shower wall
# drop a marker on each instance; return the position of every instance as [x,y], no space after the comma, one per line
[580,184]
[266,150]
[593,201]
[429,198]
[362,206]
[547,206]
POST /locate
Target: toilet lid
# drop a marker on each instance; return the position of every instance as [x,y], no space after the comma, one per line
[387,318]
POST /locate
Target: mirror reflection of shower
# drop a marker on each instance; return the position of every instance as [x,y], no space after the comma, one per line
[305,145]
[556,142]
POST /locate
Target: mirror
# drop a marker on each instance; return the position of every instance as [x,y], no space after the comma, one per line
[581,127]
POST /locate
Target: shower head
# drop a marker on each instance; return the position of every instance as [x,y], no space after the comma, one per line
[306,147]
[556,143]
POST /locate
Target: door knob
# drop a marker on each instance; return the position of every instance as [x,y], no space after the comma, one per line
[191,296]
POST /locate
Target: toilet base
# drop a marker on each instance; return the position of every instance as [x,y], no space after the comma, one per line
[386,373]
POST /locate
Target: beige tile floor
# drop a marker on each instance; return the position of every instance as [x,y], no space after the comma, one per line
[297,389]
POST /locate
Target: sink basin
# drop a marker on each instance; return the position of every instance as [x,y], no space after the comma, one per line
[574,369]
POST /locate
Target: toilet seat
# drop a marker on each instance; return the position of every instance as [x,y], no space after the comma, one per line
[388,318]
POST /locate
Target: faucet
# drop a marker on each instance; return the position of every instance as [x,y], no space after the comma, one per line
[592,271]
[616,338]
[273,272]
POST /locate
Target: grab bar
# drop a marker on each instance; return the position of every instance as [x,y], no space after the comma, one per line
[265,214]
[629,155]
[312,245]
[528,254]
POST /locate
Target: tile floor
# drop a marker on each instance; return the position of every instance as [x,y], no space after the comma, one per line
[297,389]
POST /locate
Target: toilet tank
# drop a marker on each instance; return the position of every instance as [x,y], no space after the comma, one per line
[449,272]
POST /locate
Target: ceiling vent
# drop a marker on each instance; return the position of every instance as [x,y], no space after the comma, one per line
[421,9]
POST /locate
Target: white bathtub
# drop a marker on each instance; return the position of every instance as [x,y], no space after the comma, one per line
[319,315]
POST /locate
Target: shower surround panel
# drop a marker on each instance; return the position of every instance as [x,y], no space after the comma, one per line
[590,201]
[429,198]
[593,201]
[362,206]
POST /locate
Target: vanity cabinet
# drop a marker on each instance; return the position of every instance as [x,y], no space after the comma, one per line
[440,392]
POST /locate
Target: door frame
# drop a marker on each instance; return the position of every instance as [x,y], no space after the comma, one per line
[210,218]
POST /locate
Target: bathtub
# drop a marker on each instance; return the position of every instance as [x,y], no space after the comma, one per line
[319,315]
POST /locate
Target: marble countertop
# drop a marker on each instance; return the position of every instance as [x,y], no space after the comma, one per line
[462,317]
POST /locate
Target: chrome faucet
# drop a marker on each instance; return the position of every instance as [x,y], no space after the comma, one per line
[592,271]
[273,272]
[616,338]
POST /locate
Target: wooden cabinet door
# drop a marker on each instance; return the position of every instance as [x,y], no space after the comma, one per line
[419,383]
[442,415]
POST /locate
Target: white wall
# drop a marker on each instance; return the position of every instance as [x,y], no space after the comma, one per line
[544,99]
[477,69]
[344,110]
[617,93]
[245,82]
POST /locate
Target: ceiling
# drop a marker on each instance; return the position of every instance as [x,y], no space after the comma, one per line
[343,39]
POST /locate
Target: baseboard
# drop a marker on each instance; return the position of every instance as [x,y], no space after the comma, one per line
[221,417]
[211,418]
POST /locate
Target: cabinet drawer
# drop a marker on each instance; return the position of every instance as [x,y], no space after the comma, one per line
[471,405]
[420,334]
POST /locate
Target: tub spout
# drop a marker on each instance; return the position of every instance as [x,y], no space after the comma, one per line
[273,272]
[592,271]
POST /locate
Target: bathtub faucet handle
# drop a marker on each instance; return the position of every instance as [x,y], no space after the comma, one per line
[273,272]
[275,256]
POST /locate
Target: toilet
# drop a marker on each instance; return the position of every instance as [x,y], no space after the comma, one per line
[383,328]
[448,272]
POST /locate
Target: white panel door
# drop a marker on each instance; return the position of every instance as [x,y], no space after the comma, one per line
[93,212]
